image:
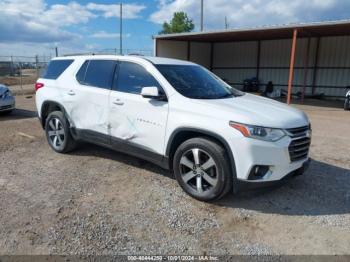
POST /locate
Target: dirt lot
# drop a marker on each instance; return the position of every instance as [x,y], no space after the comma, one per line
[29,76]
[96,201]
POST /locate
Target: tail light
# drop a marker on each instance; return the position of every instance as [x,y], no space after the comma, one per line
[38,86]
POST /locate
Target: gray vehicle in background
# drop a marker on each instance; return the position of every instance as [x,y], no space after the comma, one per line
[347,101]
[7,100]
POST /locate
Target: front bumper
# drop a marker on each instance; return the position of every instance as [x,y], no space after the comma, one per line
[245,185]
[7,104]
[249,153]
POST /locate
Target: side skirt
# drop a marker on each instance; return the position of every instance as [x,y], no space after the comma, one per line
[121,145]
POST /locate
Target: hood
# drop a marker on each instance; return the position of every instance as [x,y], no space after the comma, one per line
[3,89]
[256,110]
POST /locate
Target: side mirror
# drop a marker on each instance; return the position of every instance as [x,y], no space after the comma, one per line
[152,92]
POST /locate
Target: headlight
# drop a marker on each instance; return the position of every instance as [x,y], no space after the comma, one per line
[258,132]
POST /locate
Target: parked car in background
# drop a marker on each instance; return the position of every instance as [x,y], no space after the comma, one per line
[176,114]
[347,101]
[7,100]
[9,69]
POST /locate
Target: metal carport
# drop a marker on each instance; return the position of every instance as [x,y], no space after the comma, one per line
[308,58]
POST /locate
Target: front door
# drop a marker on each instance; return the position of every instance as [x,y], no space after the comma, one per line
[137,123]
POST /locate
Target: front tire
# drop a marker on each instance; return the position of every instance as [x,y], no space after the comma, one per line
[201,167]
[347,104]
[58,134]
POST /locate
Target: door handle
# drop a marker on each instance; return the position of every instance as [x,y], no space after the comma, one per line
[118,102]
[71,93]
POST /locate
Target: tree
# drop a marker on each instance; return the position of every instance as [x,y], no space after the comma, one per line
[179,23]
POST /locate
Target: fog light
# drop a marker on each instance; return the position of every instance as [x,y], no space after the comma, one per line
[258,172]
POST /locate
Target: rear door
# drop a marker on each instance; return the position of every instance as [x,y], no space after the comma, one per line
[138,123]
[90,99]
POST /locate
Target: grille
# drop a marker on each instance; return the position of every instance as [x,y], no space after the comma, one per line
[301,140]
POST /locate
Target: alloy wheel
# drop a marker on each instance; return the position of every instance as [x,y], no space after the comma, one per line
[56,133]
[198,170]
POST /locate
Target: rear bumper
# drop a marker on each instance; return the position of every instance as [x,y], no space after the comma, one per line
[7,104]
[41,122]
[245,185]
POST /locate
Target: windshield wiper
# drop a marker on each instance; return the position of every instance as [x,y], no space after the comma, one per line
[213,97]
[225,96]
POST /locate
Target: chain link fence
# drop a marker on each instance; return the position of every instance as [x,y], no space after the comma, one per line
[21,72]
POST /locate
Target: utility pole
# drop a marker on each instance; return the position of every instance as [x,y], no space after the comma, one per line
[56,50]
[121,30]
[12,66]
[226,23]
[37,65]
[202,16]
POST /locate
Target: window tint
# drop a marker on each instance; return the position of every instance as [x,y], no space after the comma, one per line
[81,73]
[100,73]
[195,82]
[56,68]
[133,77]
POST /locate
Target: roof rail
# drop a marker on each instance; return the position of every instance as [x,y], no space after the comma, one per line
[84,54]
[136,54]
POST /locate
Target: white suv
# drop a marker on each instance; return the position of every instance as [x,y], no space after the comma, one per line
[176,114]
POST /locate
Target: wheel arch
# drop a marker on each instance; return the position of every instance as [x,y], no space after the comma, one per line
[182,134]
[51,106]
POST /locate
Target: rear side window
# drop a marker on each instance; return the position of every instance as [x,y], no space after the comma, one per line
[133,77]
[56,68]
[81,73]
[97,73]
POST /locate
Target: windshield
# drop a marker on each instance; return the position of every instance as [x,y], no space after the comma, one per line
[194,81]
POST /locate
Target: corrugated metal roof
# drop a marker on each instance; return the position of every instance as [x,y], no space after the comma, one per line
[325,28]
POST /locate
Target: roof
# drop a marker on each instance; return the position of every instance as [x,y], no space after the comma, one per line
[152,59]
[166,61]
[316,29]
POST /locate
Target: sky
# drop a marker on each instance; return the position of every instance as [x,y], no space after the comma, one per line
[30,27]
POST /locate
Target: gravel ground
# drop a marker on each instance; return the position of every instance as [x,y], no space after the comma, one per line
[96,201]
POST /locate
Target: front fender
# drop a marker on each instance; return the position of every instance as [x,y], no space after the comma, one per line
[208,134]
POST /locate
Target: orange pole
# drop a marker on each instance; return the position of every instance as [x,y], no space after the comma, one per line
[291,67]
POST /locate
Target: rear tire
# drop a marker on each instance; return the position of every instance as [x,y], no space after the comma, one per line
[347,104]
[201,167]
[58,133]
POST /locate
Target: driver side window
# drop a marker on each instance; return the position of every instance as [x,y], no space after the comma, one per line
[131,78]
